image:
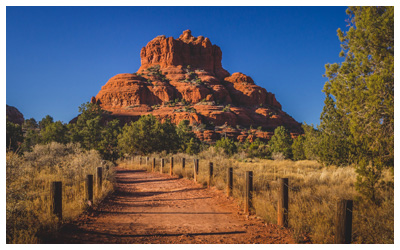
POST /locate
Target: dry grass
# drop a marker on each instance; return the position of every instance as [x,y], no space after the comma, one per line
[28,188]
[314,191]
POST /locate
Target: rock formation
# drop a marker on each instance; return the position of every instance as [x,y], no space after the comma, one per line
[184,79]
[14,115]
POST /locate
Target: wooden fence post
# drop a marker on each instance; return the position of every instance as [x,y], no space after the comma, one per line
[171,167]
[140,161]
[162,165]
[344,218]
[283,202]
[183,163]
[99,180]
[196,169]
[89,189]
[229,186]
[153,167]
[210,174]
[56,199]
[248,192]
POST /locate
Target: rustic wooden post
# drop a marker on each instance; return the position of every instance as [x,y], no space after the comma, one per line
[229,186]
[210,174]
[162,165]
[99,179]
[89,189]
[196,169]
[283,202]
[140,161]
[56,199]
[153,167]
[344,218]
[171,167]
[248,193]
[183,163]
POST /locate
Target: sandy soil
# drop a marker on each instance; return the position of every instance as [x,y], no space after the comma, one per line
[158,208]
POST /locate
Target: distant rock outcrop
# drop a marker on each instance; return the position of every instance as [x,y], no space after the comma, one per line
[14,115]
[184,79]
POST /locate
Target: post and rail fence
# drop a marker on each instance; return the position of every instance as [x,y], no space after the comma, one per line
[343,223]
[56,192]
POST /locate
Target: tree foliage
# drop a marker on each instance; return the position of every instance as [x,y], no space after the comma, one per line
[281,142]
[54,132]
[298,148]
[362,90]
[148,135]
[227,145]
[189,143]
[334,142]
[14,136]
[257,148]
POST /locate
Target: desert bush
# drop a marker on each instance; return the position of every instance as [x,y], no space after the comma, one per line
[227,145]
[28,187]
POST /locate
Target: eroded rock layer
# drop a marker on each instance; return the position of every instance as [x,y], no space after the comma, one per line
[184,79]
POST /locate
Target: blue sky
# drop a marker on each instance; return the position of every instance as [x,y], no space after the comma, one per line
[59,57]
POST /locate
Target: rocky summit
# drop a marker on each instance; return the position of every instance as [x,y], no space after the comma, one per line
[183,79]
[13,115]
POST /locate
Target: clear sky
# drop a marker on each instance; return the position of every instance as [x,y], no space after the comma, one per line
[59,57]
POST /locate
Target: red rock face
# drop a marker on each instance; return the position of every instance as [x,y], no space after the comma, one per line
[14,115]
[198,52]
[183,79]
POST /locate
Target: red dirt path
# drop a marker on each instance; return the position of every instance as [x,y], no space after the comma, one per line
[158,208]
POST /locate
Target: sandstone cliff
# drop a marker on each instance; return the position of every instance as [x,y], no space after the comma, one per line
[184,79]
[14,115]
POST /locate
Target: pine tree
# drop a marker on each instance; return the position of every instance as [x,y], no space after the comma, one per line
[281,142]
[363,89]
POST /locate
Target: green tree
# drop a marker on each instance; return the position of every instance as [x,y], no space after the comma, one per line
[30,124]
[167,138]
[193,146]
[298,148]
[148,135]
[227,145]
[257,148]
[281,142]
[31,134]
[334,144]
[108,146]
[56,131]
[14,136]
[311,142]
[188,141]
[363,89]
[45,121]
[88,129]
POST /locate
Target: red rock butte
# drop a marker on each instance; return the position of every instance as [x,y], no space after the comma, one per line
[183,79]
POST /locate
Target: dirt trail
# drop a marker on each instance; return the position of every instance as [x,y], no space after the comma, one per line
[158,208]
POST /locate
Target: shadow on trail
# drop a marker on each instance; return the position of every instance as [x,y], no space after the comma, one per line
[127,171]
[143,181]
[161,200]
[150,193]
[119,212]
[78,230]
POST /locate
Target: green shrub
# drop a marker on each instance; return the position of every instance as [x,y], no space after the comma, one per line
[281,142]
[227,145]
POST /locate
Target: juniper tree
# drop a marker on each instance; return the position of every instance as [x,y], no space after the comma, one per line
[362,87]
